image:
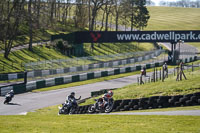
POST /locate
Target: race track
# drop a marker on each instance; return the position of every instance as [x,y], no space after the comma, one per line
[27,102]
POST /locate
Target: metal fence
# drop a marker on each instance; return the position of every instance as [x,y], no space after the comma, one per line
[157,73]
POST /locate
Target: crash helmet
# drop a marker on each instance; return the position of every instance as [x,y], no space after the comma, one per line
[12,91]
[110,93]
[72,93]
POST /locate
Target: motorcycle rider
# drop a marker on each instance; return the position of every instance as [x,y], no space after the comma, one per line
[9,96]
[11,93]
[105,98]
[71,97]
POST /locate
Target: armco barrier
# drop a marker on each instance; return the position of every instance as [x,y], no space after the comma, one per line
[75,78]
[41,73]
[150,103]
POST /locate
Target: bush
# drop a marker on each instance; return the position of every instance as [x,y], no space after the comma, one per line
[60,45]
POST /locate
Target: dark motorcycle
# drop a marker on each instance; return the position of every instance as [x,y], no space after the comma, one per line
[67,108]
[101,106]
[8,98]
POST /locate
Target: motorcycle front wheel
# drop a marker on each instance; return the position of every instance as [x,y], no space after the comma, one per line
[6,101]
[91,109]
[109,108]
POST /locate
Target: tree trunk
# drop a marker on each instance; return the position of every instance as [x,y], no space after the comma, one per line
[30,26]
[106,25]
[102,22]
[116,21]
[52,11]
[38,14]
[132,21]
[89,16]
[93,20]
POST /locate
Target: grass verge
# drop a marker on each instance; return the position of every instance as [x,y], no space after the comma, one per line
[46,120]
[167,88]
[17,59]
[166,109]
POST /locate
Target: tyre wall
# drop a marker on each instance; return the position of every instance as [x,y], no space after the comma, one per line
[150,103]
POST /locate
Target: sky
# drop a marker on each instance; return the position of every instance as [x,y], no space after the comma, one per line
[157,1]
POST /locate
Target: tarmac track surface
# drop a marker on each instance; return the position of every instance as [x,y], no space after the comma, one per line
[27,102]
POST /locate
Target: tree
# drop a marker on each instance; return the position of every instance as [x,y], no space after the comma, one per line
[30,25]
[81,17]
[118,11]
[38,14]
[108,7]
[10,21]
[95,6]
[142,15]
[67,6]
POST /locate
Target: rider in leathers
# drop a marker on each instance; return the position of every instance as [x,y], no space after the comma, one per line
[11,93]
[71,97]
[105,98]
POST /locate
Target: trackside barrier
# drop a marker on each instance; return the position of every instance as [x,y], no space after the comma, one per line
[97,93]
[150,103]
[42,73]
[32,85]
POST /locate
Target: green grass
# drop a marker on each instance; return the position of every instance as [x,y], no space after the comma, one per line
[40,34]
[46,120]
[197,45]
[173,18]
[167,109]
[115,48]
[17,59]
[168,88]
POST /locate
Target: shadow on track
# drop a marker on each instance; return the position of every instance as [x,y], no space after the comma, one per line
[13,104]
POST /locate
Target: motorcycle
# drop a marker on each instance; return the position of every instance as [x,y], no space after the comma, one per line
[8,98]
[101,106]
[67,108]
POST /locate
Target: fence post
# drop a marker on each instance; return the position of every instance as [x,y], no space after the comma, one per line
[163,75]
[192,67]
[25,77]
[156,75]
[160,74]
[174,72]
